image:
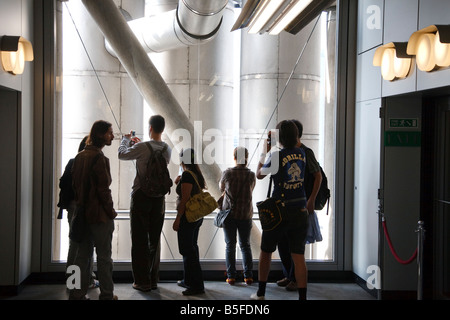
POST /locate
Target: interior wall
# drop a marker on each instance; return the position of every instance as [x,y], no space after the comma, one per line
[17,20]
[381,22]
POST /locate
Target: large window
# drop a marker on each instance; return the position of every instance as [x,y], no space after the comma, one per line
[234,88]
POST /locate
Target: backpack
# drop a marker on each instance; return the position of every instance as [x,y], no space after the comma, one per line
[323,195]
[66,194]
[157,180]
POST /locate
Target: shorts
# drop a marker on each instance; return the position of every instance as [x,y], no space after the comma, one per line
[294,225]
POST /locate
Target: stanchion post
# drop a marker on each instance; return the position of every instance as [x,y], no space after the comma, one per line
[420,238]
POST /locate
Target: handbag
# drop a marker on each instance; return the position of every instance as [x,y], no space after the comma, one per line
[200,204]
[270,211]
[220,218]
[79,225]
[222,215]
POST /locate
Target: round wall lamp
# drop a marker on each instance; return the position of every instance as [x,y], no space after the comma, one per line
[431,46]
[395,63]
[14,51]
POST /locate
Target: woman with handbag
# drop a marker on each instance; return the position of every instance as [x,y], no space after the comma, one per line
[190,183]
[286,168]
[238,183]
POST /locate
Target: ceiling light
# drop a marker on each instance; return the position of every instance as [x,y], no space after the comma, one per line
[265,11]
[291,13]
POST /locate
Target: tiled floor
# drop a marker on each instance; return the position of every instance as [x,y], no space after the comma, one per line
[213,291]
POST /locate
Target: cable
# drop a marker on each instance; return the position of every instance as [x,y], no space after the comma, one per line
[383,221]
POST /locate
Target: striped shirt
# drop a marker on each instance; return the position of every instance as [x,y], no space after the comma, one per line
[238,184]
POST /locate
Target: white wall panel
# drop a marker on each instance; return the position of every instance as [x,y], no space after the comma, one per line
[368,78]
[370,24]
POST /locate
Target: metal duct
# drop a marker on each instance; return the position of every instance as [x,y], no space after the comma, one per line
[192,23]
[145,76]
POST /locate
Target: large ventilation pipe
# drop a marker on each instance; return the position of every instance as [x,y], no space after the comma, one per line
[192,23]
[145,76]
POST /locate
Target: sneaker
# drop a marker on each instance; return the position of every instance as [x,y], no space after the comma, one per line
[283,282]
[181,283]
[256,297]
[292,286]
[231,281]
[143,288]
[94,284]
[115,297]
[192,292]
[248,281]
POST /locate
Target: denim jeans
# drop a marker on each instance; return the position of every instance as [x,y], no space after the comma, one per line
[188,247]
[230,230]
[146,221]
[99,235]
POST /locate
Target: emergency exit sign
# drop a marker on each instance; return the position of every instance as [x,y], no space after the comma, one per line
[403,123]
[402,138]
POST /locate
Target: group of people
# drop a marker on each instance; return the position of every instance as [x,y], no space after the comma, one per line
[91,180]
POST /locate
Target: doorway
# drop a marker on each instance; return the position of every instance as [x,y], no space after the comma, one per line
[436,197]
[10,115]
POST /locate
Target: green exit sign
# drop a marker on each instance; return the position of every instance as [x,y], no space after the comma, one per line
[403,123]
[402,139]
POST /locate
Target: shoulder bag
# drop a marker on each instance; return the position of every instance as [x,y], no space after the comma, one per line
[270,211]
[200,204]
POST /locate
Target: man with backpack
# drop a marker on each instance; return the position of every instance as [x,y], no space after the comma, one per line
[147,207]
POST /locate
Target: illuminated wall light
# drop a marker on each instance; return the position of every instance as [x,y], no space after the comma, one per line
[431,46]
[394,62]
[441,52]
[425,52]
[402,66]
[14,52]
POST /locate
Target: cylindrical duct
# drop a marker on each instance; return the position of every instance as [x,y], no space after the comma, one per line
[145,76]
[193,22]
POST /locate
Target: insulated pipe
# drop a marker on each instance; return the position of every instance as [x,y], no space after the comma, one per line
[146,77]
[192,23]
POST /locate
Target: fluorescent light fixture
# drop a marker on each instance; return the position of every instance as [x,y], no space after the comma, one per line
[395,63]
[265,12]
[14,52]
[293,10]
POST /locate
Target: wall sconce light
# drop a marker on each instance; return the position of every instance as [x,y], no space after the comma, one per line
[394,61]
[431,46]
[14,51]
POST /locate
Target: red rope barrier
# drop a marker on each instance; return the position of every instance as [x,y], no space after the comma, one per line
[392,247]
